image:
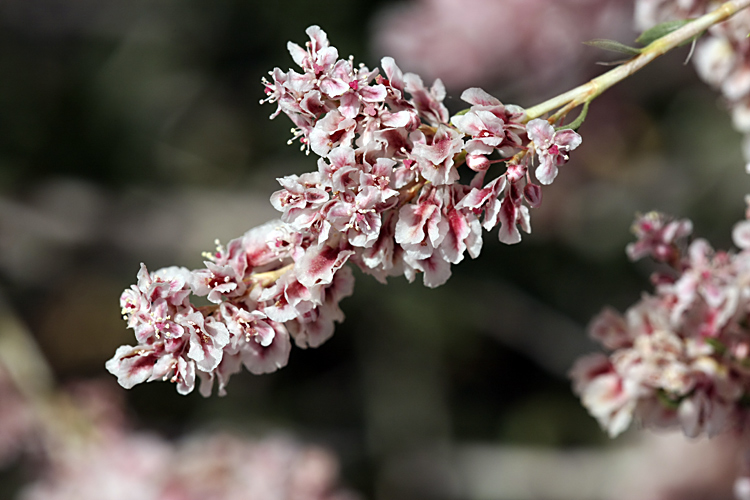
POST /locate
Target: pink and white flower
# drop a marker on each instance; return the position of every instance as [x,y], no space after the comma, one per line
[552,148]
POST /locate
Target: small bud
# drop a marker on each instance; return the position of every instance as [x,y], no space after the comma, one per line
[478,163]
[516,172]
[533,194]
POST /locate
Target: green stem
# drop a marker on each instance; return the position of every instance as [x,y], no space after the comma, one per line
[590,90]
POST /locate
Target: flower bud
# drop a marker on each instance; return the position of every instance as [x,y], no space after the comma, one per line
[478,163]
[533,194]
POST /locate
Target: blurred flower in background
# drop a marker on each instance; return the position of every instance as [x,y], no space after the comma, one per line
[81,445]
[216,466]
[518,43]
[16,421]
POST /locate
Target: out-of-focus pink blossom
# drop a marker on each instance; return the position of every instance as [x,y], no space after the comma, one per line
[217,467]
[85,451]
[17,420]
[603,392]
[679,358]
[741,235]
[659,237]
[490,40]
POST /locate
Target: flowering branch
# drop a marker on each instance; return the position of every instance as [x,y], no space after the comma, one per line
[386,197]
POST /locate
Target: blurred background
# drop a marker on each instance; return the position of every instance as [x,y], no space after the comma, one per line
[131,132]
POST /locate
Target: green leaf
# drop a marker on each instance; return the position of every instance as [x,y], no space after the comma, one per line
[668,400]
[658,31]
[579,120]
[613,46]
[717,345]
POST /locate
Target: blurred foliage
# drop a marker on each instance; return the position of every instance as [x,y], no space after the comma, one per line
[140,92]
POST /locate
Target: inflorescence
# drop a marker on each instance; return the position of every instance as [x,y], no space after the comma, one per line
[387,197]
[679,357]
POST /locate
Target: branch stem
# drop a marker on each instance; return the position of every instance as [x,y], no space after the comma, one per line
[593,88]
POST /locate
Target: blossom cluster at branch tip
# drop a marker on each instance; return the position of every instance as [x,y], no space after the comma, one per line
[679,357]
[256,302]
[386,196]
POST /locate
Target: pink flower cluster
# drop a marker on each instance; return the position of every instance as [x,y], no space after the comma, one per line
[679,357]
[386,196]
[387,186]
[722,56]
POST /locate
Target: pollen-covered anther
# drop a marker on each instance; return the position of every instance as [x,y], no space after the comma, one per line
[296,134]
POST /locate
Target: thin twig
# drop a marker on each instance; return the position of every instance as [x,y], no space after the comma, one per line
[593,88]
